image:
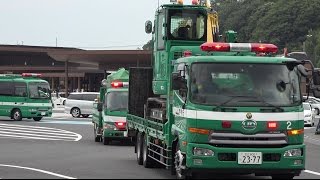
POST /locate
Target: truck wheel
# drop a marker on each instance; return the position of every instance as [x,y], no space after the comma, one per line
[283,176]
[16,115]
[179,164]
[105,140]
[147,161]
[75,112]
[96,137]
[139,143]
[37,118]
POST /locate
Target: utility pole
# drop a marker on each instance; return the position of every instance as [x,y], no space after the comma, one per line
[56,42]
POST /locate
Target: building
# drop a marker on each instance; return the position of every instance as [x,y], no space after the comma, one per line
[84,69]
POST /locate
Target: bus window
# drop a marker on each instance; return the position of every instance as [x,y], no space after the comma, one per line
[6,88]
[20,89]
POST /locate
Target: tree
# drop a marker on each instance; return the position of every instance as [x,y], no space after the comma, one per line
[148,46]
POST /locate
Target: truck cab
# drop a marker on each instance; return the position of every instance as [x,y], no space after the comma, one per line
[111,108]
[207,106]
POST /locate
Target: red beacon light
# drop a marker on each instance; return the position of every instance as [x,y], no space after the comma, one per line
[31,75]
[116,84]
[239,47]
[195,2]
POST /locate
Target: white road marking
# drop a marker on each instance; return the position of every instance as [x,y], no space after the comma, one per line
[35,135]
[38,170]
[312,172]
[37,132]
[38,138]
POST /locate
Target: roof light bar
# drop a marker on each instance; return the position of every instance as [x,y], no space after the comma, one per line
[239,47]
[31,75]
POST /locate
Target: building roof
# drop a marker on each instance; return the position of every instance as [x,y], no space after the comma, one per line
[106,59]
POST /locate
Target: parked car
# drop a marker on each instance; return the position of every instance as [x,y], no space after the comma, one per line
[80,103]
[315,103]
[309,114]
[58,98]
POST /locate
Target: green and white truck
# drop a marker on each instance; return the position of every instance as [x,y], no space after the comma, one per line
[215,107]
[110,109]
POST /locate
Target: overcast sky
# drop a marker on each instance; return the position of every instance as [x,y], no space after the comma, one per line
[86,24]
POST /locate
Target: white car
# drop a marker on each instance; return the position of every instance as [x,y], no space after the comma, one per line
[309,114]
[315,103]
[58,99]
[80,103]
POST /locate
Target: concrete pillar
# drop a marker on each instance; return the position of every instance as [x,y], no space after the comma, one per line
[90,82]
[79,83]
[52,83]
[66,77]
[104,74]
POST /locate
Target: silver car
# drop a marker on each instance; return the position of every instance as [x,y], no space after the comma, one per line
[80,103]
[315,103]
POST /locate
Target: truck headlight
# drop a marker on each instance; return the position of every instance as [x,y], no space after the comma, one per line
[202,152]
[293,152]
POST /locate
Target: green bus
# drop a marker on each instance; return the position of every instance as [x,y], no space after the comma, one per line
[24,96]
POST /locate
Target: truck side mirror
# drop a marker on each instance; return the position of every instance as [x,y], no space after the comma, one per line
[148,27]
[178,82]
[316,77]
[99,106]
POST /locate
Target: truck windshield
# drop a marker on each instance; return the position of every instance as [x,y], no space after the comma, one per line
[39,90]
[187,25]
[117,101]
[244,85]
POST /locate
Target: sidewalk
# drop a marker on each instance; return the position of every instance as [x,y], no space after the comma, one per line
[58,109]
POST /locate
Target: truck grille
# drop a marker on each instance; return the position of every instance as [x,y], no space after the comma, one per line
[227,139]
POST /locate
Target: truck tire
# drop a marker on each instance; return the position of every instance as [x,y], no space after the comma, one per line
[139,143]
[37,118]
[16,115]
[95,131]
[105,140]
[179,164]
[147,161]
[283,176]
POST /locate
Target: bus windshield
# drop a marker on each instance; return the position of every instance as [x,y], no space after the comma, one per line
[222,84]
[117,101]
[39,90]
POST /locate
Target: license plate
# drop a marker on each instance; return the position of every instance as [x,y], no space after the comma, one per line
[125,134]
[43,113]
[249,158]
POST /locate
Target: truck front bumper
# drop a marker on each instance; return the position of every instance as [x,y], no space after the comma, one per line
[225,160]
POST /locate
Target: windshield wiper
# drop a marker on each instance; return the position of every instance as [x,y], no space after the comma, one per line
[227,101]
[219,106]
[269,104]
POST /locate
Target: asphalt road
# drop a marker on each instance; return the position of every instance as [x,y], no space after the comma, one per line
[64,147]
